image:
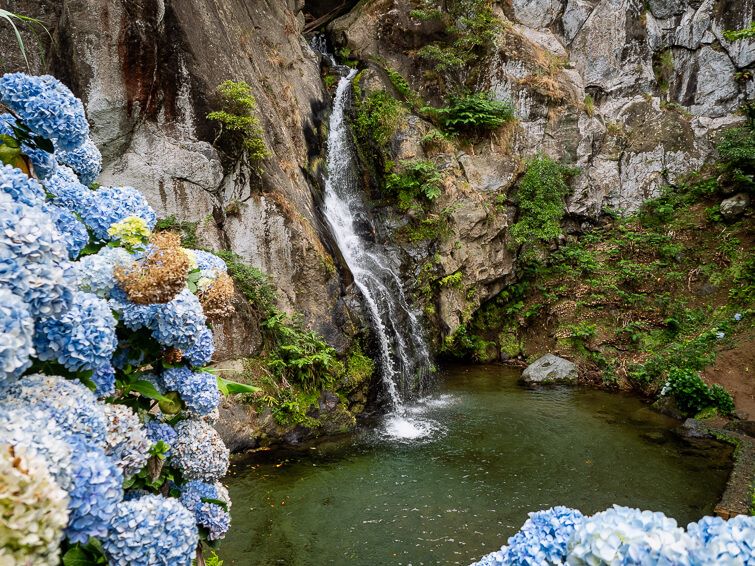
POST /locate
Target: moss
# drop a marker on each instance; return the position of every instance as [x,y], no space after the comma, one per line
[359,367]
[509,344]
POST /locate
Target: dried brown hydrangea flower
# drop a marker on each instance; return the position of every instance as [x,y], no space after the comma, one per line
[160,275]
[172,356]
[217,298]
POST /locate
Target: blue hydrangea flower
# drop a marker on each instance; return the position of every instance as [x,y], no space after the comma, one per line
[716,541]
[94,273]
[209,262]
[75,235]
[201,351]
[542,539]
[199,452]
[127,442]
[43,162]
[104,381]
[32,427]
[85,160]
[621,535]
[33,261]
[209,515]
[158,431]
[113,204]
[97,490]
[198,390]
[151,530]
[81,338]
[16,333]
[132,316]
[47,107]
[178,323]
[21,187]
[67,192]
[70,404]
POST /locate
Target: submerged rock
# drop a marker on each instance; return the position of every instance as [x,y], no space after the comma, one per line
[550,369]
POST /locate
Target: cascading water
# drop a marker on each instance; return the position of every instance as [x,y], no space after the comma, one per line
[404,357]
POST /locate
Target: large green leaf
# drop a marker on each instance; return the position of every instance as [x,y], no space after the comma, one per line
[229,387]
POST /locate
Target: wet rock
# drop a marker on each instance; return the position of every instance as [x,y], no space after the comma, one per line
[550,369]
[732,208]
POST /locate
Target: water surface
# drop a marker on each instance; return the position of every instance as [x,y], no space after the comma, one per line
[494,451]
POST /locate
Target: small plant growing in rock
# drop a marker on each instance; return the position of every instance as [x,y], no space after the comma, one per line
[472,113]
[239,128]
[541,194]
[415,179]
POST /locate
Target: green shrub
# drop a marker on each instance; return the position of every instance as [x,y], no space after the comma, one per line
[415,179]
[377,118]
[476,112]
[692,394]
[541,193]
[735,35]
[470,31]
[240,131]
[737,147]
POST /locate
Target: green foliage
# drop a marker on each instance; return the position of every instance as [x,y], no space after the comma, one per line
[470,31]
[472,113]
[415,180]
[188,230]
[692,394]
[300,356]
[293,353]
[735,35]
[589,105]
[359,367]
[453,280]
[252,283]
[213,560]
[541,193]
[737,147]
[377,118]
[239,128]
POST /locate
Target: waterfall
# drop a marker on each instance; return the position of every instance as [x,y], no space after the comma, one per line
[404,357]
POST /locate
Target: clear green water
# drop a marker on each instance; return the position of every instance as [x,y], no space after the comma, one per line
[498,450]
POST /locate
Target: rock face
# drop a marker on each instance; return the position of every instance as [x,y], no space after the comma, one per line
[550,369]
[732,208]
[631,94]
[147,71]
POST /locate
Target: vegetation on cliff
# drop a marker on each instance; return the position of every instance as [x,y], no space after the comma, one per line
[639,301]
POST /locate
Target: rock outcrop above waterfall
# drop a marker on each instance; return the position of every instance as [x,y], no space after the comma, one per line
[631,94]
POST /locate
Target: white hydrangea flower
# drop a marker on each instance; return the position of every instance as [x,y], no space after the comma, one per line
[127,442]
[33,509]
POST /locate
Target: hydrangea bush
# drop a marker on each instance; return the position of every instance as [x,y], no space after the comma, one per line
[623,536]
[107,454]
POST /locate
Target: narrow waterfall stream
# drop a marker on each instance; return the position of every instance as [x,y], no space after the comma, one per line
[404,357]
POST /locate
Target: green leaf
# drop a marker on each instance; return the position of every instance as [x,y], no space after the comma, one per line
[147,389]
[77,557]
[228,387]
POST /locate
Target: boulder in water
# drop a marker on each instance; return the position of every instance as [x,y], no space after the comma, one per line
[550,369]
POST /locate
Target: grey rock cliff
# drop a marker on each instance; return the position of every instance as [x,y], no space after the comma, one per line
[146,71]
[631,94]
